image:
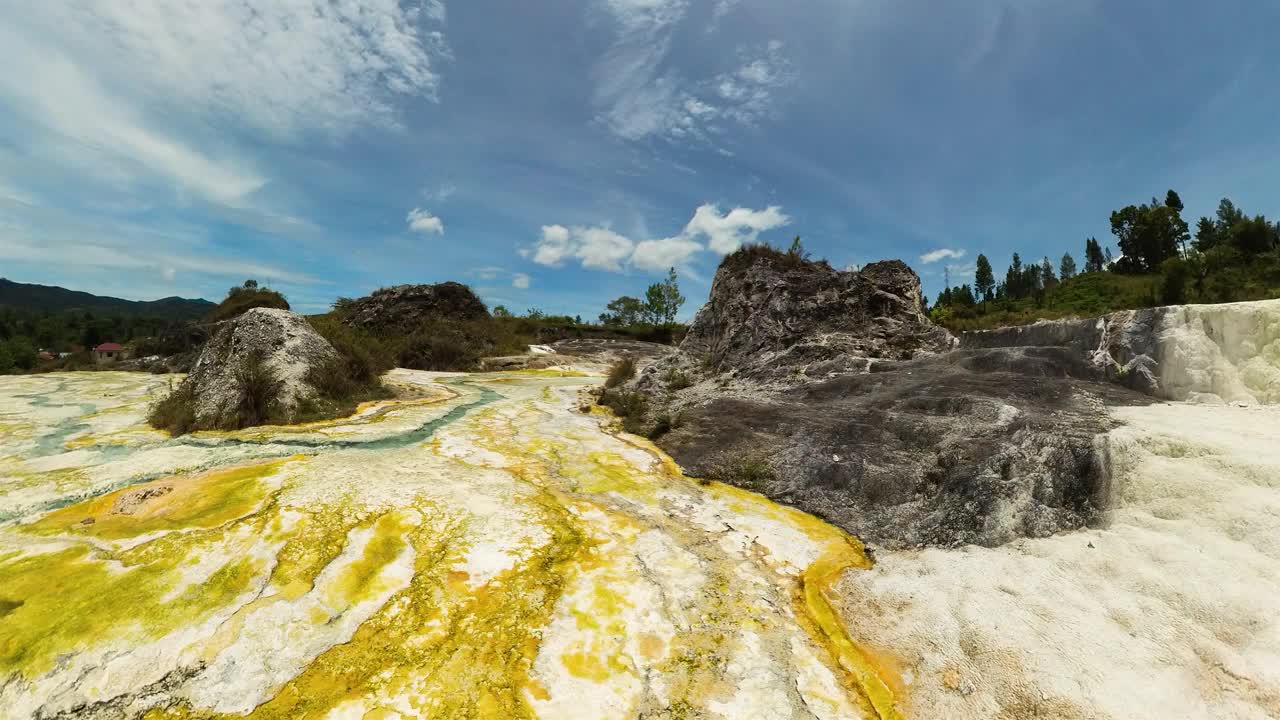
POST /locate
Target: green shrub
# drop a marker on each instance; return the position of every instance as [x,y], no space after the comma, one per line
[621,371]
[677,379]
[242,299]
[257,403]
[437,350]
[174,413]
[632,407]
[746,472]
[664,423]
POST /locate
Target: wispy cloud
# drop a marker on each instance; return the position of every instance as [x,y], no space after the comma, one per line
[127,94]
[440,193]
[489,273]
[934,256]
[73,246]
[639,96]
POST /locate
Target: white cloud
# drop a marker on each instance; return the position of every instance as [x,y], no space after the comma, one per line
[603,249]
[934,256]
[116,249]
[726,233]
[664,253]
[554,246]
[594,247]
[424,222]
[520,281]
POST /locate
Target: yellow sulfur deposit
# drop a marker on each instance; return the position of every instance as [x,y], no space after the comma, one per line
[484,551]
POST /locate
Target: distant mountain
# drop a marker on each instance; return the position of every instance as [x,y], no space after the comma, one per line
[57,299]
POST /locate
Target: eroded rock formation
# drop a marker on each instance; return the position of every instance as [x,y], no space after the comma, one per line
[832,392]
[774,318]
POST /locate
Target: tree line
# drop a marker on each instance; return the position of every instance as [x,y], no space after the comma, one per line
[1232,256]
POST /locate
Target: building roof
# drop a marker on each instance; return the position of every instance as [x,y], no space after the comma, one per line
[109,347]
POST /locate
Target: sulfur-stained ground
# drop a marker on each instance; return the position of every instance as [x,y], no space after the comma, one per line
[484,551]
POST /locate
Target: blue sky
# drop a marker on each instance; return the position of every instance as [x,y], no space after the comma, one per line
[559,154]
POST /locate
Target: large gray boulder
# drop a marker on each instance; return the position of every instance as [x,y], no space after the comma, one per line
[282,342]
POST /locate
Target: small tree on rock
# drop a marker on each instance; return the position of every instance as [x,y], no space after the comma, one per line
[663,300]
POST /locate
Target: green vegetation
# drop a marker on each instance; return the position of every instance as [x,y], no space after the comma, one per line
[451,344]
[256,404]
[1234,257]
[662,302]
[744,472]
[794,257]
[621,371]
[664,423]
[243,298]
[632,407]
[676,379]
[24,332]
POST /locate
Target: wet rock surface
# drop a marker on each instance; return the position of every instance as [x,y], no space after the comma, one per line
[832,392]
[409,306]
[283,341]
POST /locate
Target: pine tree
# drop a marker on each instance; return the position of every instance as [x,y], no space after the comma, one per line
[1067,269]
[984,280]
[1093,259]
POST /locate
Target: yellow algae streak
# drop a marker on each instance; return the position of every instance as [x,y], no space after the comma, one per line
[69,600]
[357,580]
[204,501]
[841,551]
[437,648]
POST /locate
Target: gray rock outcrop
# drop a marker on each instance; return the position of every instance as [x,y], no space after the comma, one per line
[832,392]
[282,341]
[773,318]
[406,307]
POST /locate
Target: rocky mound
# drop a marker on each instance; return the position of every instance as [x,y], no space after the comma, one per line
[405,307]
[832,392]
[772,317]
[255,368]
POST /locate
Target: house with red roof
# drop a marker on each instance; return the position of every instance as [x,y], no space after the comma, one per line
[110,352]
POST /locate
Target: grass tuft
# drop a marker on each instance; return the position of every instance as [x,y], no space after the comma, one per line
[621,371]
